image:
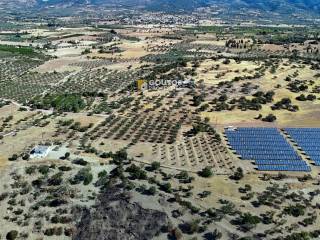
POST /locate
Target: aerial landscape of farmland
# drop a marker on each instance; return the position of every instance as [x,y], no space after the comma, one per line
[140,120]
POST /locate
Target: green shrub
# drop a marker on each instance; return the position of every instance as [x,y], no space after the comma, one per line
[295,210]
[206,172]
[84,175]
[12,235]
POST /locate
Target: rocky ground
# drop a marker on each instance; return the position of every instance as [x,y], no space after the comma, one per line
[115,215]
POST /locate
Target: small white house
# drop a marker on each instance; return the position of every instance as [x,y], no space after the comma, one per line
[40,152]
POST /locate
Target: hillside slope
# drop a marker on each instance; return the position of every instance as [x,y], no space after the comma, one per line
[280,6]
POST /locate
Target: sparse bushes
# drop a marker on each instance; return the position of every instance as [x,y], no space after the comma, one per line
[119,157]
[25,156]
[267,218]
[56,202]
[204,127]
[269,118]
[226,61]
[12,235]
[84,175]
[68,232]
[66,155]
[61,219]
[247,221]
[285,103]
[64,168]
[166,187]
[148,191]
[56,179]
[80,161]
[204,194]
[309,97]
[14,157]
[191,227]
[206,172]
[295,210]
[177,234]
[31,170]
[3,196]
[57,231]
[103,179]
[155,166]
[298,236]
[86,51]
[238,175]
[44,169]
[184,177]
[297,86]
[309,220]
[152,190]
[136,172]
[215,235]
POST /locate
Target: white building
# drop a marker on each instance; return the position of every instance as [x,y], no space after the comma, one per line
[40,152]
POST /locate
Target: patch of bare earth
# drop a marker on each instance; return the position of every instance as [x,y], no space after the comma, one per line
[109,219]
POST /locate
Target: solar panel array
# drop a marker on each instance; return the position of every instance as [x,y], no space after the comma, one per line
[308,140]
[267,147]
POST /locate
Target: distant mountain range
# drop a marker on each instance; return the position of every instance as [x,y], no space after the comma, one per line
[274,6]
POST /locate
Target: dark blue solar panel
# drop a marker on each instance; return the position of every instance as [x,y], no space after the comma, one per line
[308,139]
[281,162]
[267,147]
[302,168]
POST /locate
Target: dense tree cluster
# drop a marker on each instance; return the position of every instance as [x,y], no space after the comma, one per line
[64,102]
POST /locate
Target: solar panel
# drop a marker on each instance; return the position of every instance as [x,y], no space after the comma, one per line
[304,168]
[268,148]
[308,139]
[280,162]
